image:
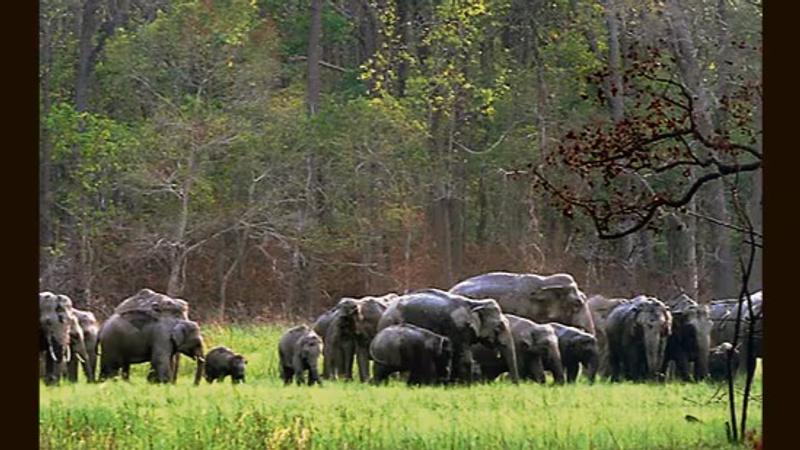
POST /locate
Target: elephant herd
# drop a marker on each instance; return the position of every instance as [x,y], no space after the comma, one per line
[522,325]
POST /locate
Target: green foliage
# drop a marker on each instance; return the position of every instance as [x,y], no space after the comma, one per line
[93,152]
[262,413]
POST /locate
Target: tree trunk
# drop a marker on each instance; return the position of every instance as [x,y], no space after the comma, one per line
[314,53]
[88,30]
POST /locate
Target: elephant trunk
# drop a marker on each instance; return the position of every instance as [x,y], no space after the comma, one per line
[654,351]
[591,364]
[506,343]
[555,364]
[585,321]
[198,374]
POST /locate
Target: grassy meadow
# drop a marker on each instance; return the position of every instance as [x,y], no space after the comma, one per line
[264,414]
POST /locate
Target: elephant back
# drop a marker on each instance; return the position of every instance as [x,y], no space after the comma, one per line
[153,304]
[542,298]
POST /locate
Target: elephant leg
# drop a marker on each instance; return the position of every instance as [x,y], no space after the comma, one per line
[347,359]
[536,370]
[298,368]
[286,374]
[572,371]
[328,361]
[682,367]
[467,363]
[362,358]
[126,371]
[615,365]
[161,366]
[174,365]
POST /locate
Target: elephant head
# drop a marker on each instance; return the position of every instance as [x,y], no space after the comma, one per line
[442,349]
[652,322]
[691,328]
[586,350]
[238,365]
[186,338]
[492,329]
[562,301]
[310,347]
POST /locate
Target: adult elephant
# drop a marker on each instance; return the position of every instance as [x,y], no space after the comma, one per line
[554,298]
[150,327]
[536,348]
[347,330]
[84,340]
[600,307]
[462,320]
[56,334]
[689,341]
[577,348]
[637,338]
[723,325]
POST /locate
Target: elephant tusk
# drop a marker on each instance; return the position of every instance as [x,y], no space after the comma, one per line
[52,353]
[69,354]
[80,358]
[201,359]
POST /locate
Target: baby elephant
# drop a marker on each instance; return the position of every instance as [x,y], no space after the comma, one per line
[718,361]
[221,362]
[299,350]
[399,348]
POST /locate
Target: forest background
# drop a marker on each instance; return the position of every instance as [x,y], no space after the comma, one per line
[262,159]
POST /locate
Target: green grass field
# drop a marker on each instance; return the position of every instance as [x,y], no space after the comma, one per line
[265,414]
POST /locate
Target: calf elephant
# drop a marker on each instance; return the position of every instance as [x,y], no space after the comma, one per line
[298,350]
[84,342]
[221,362]
[600,308]
[718,361]
[347,330]
[150,327]
[688,343]
[464,321]
[637,338]
[536,348]
[423,353]
[554,298]
[577,348]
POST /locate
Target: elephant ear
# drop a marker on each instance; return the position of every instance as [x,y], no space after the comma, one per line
[178,333]
[466,318]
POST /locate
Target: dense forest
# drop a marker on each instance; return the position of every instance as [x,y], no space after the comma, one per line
[263,158]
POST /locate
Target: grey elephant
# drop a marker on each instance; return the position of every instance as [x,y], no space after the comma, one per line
[554,298]
[723,319]
[347,330]
[718,361]
[89,329]
[577,348]
[427,356]
[536,348]
[689,342]
[150,327]
[600,307]
[298,350]
[56,324]
[221,362]
[462,320]
[637,338]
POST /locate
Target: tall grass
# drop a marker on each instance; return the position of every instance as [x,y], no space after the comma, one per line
[264,414]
